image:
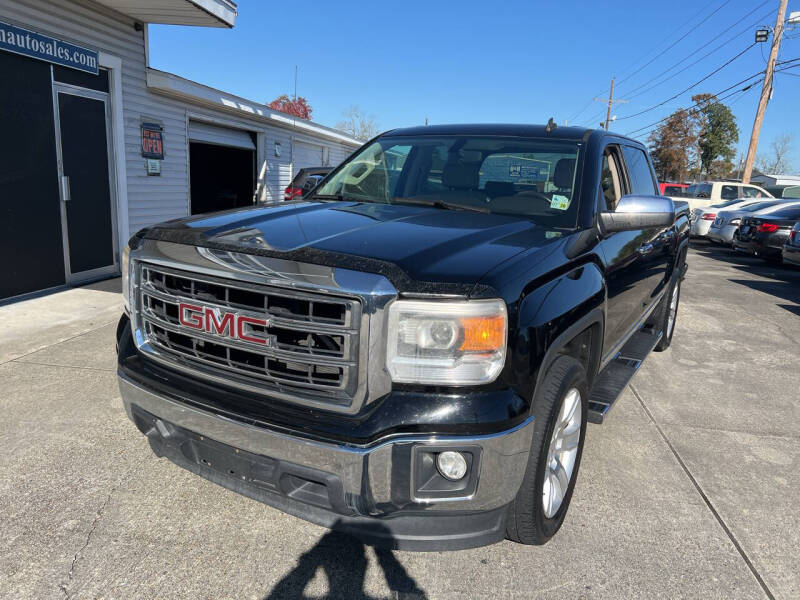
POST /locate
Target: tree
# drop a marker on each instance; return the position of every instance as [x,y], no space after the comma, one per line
[672,145]
[717,135]
[358,124]
[777,163]
[299,107]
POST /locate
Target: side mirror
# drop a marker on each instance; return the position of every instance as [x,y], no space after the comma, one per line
[639,212]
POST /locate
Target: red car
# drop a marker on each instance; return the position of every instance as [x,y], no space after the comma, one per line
[673,189]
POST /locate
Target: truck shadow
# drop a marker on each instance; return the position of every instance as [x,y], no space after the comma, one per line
[343,560]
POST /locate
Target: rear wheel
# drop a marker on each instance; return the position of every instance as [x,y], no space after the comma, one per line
[669,314]
[540,506]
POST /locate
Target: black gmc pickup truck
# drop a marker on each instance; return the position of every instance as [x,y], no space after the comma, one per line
[411,353]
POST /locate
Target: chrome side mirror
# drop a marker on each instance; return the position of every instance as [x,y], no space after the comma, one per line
[639,212]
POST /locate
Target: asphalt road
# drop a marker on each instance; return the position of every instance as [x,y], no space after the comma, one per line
[690,489]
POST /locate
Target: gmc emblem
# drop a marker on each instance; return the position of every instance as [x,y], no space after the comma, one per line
[226,324]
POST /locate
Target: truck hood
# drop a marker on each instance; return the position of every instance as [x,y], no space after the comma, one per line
[409,244]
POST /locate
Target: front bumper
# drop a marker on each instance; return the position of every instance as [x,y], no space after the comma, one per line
[791,254]
[369,491]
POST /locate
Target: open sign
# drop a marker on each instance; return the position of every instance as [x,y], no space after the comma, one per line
[152,141]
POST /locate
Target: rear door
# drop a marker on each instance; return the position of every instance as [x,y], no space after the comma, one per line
[657,242]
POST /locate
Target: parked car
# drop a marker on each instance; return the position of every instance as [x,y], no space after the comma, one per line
[791,249]
[728,220]
[703,217]
[295,189]
[714,191]
[766,235]
[673,189]
[784,191]
[413,360]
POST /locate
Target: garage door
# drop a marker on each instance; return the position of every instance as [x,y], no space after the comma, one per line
[220,136]
[307,155]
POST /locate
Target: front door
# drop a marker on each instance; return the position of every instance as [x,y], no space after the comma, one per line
[85,182]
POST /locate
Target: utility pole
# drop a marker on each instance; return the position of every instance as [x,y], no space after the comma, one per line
[611,102]
[766,92]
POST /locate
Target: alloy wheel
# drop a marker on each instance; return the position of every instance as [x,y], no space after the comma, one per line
[562,453]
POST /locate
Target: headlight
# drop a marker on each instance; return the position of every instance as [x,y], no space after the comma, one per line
[446,343]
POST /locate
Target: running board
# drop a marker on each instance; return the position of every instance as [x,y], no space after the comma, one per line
[612,380]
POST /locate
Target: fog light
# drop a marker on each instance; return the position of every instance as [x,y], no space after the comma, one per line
[452,465]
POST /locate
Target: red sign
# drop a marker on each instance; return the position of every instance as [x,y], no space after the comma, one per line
[152,141]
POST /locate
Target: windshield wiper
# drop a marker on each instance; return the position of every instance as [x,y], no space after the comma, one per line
[441,204]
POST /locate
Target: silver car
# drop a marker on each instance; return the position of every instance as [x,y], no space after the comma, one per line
[727,221]
[701,218]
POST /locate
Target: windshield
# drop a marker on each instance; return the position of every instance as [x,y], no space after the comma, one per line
[534,178]
[699,190]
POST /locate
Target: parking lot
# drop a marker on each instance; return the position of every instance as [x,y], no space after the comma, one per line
[691,488]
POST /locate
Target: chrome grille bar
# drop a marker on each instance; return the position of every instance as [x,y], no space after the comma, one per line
[312,340]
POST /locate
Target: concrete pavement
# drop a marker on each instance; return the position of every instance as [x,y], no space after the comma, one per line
[690,489]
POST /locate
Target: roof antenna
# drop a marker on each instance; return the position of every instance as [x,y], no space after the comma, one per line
[550,126]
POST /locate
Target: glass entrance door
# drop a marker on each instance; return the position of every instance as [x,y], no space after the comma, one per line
[85,178]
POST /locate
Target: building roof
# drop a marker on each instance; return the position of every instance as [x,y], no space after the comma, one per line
[173,85]
[200,13]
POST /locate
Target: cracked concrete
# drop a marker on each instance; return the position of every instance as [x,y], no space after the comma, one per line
[89,512]
[65,586]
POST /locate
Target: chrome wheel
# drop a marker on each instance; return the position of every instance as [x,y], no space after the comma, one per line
[673,309]
[562,453]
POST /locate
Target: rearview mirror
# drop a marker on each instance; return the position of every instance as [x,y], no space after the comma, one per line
[639,212]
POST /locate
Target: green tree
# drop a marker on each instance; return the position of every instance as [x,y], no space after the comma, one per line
[717,135]
[672,145]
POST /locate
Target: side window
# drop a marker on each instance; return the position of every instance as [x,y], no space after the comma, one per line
[729,192]
[751,192]
[610,180]
[639,171]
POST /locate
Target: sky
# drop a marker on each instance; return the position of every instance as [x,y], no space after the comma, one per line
[513,62]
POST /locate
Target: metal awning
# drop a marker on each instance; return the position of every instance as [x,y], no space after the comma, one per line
[200,13]
[220,136]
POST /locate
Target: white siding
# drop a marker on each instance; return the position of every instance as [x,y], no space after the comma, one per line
[153,199]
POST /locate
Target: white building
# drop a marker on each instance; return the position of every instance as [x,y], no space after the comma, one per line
[98,145]
[763,179]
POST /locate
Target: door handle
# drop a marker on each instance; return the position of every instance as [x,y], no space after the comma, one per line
[65,193]
[645,248]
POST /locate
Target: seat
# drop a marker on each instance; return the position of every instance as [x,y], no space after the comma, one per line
[564,174]
[462,180]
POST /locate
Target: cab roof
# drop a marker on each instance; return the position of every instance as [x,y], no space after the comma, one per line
[499,129]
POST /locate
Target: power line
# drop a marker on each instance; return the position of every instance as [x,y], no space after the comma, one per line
[718,97]
[669,36]
[675,43]
[732,38]
[683,91]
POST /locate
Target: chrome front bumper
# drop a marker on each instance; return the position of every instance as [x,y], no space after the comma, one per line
[368,473]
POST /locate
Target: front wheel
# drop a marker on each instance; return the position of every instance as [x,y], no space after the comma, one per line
[539,508]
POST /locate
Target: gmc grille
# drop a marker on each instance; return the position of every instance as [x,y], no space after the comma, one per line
[313,338]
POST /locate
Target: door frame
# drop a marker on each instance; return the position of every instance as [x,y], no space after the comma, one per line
[104,97]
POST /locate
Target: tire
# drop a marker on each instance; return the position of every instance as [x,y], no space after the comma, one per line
[667,310]
[527,519]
